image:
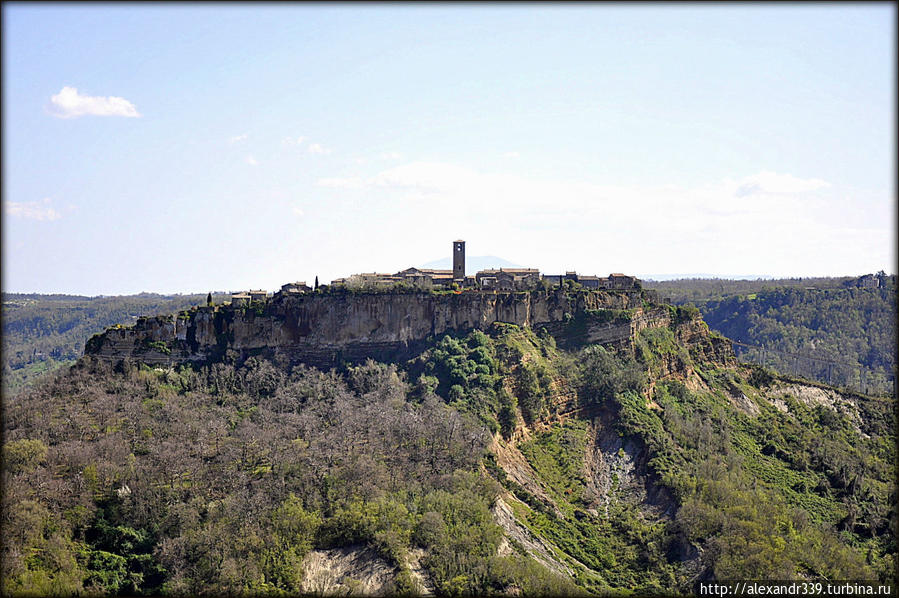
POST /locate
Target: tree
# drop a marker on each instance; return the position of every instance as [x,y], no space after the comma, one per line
[603,375]
[209,299]
[316,283]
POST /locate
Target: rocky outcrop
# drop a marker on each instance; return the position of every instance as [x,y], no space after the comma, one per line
[347,571]
[326,329]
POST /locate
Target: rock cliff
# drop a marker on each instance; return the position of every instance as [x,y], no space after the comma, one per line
[326,329]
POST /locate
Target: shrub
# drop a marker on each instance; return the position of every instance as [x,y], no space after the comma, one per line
[456,392]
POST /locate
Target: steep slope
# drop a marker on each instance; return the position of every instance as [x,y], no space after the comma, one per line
[840,331]
[720,472]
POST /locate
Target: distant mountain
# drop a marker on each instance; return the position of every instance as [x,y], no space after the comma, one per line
[473,263]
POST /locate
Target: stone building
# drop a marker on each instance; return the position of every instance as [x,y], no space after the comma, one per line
[589,282]
[508,279]
[425,277]
[293,288]
[240,299]
[622,281]
[868,281]
[373,280]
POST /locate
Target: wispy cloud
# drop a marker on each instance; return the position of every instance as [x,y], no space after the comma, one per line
[293,140]
[237,138]
[429,177]
[32,210]
[391,156]
[508,190]
[68,103]
[298,211]
[252,161]
[511,155]
[317,148]
[786,222]
[344,183]
[772,182]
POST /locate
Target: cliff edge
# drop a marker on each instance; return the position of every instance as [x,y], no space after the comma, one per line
[326,329]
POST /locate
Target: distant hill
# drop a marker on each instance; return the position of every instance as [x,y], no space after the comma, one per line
[834,330]
[44,332]
[473,263]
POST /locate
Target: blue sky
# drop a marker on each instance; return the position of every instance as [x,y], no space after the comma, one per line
[184,148]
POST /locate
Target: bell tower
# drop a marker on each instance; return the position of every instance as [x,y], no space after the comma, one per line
[459,261]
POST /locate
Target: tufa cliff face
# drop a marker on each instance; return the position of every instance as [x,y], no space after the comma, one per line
[326,329]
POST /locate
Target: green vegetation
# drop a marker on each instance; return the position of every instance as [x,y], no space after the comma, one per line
[158,346]
[42,333]
[771,491]
[825,329]
[639,470]
[558,458]
[220,480]
[700,290]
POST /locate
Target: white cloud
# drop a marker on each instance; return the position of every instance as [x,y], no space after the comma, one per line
[298,211]
[391,156]
[292,140]
[252,161]
[68,103]
[316,148]
[237,138]
[32,210]
[511,155]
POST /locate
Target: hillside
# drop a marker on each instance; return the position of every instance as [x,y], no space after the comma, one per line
[832,330]
[509,460]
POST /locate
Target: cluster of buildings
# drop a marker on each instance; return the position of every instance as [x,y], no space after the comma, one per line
[498,279]
[244,298]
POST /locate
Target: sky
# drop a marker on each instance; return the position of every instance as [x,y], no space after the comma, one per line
[182,148]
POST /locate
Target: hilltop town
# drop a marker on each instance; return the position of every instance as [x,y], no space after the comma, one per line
[388,316]
[491,280]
